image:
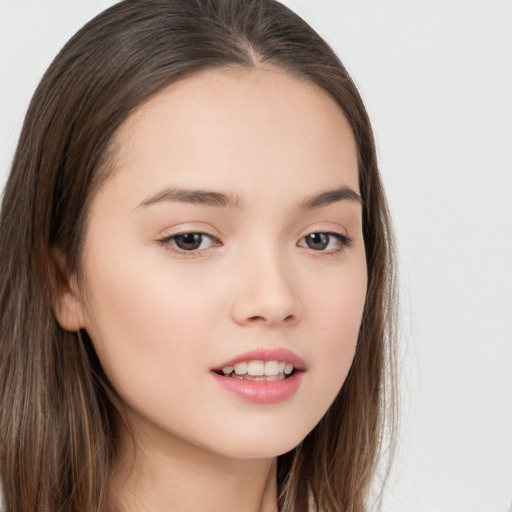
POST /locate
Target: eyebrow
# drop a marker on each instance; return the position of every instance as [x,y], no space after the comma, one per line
[194,196]
[230,200]
[329,197]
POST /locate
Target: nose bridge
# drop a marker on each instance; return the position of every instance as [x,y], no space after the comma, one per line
[266,287]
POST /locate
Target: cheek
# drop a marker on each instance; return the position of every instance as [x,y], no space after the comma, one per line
[338,309]
[151,336]
[151,316]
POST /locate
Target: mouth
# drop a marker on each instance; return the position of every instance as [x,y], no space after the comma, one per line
[259,370]
[263,375]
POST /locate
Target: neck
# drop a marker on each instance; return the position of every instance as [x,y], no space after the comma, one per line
[160,475]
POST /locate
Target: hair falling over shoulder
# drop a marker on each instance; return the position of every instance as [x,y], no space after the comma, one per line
[57,409]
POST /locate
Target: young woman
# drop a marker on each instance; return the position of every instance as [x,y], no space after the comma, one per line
[197,274]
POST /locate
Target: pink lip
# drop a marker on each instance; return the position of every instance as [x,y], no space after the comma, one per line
[265,354]
[261,392]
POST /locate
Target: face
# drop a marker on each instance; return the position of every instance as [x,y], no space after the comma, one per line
[224,269]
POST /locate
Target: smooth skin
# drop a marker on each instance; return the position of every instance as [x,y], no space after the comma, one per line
[163,306]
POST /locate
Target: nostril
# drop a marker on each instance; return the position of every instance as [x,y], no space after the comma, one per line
[256,319]
[259,318]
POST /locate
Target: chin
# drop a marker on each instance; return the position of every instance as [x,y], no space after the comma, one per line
[260,443]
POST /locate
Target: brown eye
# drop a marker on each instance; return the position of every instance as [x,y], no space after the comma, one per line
[326,242]
[317,241]
[189,241]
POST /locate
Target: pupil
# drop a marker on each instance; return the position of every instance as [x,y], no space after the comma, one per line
[189,241]
[317,241]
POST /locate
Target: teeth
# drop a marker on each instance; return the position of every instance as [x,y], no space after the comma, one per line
[240,368]
[261,378]
[259,370]
[255,368]
[272,368]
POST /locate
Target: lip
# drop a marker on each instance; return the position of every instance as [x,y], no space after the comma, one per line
[261,392]
[265,354]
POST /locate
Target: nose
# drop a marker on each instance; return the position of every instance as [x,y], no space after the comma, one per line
[265,292]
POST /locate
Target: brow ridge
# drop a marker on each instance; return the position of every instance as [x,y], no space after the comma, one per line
[229,200]
[194,196]
[328,197]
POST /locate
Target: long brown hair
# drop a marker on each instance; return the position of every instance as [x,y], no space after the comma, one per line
[57,409]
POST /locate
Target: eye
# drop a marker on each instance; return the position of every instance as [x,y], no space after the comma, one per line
[189,242]
[326,242]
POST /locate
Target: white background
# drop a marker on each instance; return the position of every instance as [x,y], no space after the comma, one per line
[437,79]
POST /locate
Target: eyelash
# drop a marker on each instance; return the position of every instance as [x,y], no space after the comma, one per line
[343,240]
[168,243]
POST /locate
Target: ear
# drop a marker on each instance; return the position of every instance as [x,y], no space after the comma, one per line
[67,304]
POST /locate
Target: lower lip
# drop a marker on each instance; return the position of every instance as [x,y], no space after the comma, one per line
[261,392]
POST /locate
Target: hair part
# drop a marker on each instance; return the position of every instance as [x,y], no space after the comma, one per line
[58,410]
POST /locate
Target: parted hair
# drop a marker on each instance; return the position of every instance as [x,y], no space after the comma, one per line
[58,434]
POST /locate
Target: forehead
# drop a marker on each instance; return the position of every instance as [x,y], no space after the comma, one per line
[238,126]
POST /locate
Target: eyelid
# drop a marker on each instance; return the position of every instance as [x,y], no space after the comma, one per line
[343,239]
[166,242]
[201,228]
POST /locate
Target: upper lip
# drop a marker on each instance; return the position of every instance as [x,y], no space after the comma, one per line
[265,354]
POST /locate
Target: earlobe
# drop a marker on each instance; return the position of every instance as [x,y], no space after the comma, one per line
[67,305]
